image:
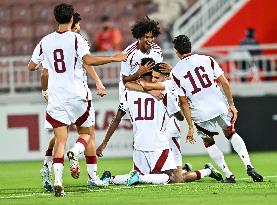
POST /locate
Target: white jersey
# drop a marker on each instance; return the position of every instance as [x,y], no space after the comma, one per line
[61,52]
[195,77]
[131,65]
[149,117]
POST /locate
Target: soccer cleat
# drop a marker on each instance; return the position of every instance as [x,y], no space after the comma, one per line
[214,173]
[46,179]
[106,177]
[252,173]
[73,164]
[59,191]
[133,179]
[230,179]
[96,183]
[187,167]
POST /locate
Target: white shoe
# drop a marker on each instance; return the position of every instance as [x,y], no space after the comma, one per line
[73,164]
[46,178]
[96,183]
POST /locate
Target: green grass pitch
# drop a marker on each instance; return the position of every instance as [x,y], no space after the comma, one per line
[20,183]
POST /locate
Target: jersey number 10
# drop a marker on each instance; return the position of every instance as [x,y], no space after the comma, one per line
[148,113]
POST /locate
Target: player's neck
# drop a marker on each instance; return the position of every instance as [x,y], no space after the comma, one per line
[185,55]
[64,27]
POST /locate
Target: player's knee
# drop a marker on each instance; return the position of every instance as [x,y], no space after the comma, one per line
[229,132]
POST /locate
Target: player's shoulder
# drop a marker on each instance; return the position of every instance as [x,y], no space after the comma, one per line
[131,48]
[156,47]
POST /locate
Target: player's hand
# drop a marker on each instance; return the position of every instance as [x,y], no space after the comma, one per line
[190,137]
[165,68]
[101,90]
[146,68]
[234,112]
[46,98]
[100,149]
[120,57]
[158,94]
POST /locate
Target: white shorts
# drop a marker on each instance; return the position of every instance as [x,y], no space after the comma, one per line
[81,113]
[174,143]
[223,120]
[151,162]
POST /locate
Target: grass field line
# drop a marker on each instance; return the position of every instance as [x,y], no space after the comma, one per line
[110,189]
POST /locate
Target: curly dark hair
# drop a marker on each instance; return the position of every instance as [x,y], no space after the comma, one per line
[63,13]
[182,44]
[145,25]
[76,19]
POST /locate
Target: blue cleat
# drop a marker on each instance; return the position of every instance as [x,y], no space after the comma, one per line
[134,178]
[46,179]
[106,177]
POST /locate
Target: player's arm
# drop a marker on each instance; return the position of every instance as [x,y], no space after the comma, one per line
[151,86]
[142,69]
[99,85]
[112,127]
[44,83]
[100,60]
[134,86]
[228,93]
[32,66]
[186,111]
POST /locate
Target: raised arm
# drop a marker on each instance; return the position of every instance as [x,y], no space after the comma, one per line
[100,60]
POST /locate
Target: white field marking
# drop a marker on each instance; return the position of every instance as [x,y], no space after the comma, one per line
[111,189]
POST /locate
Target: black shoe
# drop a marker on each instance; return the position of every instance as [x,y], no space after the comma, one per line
[106,177]
[230,179]
[214,173]
[187,167]
[252,173]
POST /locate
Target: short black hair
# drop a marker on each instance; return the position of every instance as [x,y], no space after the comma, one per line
[182,44]
[143,62]
[63,13]
[157,68]
[104,18]
[145,25]
[76,19]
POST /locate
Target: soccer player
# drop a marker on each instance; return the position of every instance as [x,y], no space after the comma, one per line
[48,159]
[69,101]
[152,157]
[195,78]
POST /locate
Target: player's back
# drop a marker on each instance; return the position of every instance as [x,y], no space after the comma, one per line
[194,77]
[149,118]
[61,51]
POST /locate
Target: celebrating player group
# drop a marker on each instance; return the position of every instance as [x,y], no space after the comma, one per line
[153,95]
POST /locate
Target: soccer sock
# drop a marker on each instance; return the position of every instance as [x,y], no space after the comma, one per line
[218,158]
[120,179]
[154,178]
[91,166]
[48,159]
[239,146]
[79,146]
[204,173]
[58,170]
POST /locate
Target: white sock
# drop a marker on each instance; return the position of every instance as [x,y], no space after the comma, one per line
[48,160]
[92,169]
[154,178]
[58,172]
[239,146]
[78,148]
[120,179]
[218,158]
[205,172]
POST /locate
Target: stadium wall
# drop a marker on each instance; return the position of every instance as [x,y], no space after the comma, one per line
[23,136]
